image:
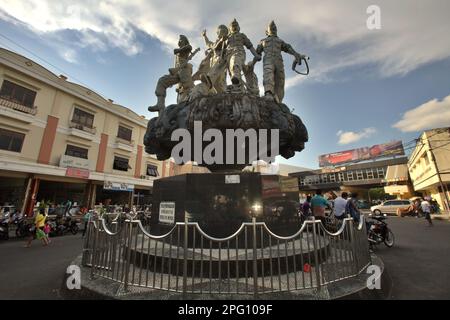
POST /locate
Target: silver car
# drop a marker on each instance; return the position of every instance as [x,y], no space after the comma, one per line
[390,207]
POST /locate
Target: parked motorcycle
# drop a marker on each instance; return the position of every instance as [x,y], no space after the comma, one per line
[62,226]
[379,232]
[4,228]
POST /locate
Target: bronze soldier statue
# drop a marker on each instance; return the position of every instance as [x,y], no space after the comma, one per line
[236,51]
[273,68]
[181,74]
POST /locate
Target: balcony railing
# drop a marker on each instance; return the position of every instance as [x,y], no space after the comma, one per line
[74,125]
[18,107]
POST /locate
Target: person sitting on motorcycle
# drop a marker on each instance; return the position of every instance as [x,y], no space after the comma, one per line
[352,209]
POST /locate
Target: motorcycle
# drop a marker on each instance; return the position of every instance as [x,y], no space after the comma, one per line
[62,226]
[4,228]
[379,232]
[22,226]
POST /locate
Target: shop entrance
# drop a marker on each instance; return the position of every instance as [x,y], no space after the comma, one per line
[59,193]
[12,193]
[112,197]
[142,198]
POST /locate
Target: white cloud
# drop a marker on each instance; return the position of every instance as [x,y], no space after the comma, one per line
[333,33]
[350,136]
[432,114]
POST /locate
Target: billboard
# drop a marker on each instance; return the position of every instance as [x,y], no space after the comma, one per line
[390,149]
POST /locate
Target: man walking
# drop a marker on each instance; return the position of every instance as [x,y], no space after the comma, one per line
[339,206]
[426,209]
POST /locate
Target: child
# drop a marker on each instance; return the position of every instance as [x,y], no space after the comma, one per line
[47,230]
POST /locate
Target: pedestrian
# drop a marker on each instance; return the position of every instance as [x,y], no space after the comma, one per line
[426,209]
[352,209]
[86,219]
[38,229]
[306,208]
[318,206]
[47,229]
[339,206]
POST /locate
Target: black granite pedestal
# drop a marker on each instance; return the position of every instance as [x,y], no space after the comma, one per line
[221,202]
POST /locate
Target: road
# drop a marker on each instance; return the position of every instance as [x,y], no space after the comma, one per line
[36,272]
[418,264]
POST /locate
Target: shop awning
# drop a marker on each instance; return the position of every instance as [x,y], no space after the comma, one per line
[397,173]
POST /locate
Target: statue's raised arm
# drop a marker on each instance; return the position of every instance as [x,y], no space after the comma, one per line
[273,67]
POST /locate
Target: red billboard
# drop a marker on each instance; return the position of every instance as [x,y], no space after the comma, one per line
[390,149]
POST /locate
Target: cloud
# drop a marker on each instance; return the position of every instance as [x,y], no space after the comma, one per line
[432,114]
[333,33]
[350,136]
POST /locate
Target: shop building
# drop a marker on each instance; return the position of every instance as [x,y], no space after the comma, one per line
[61,141]
[358,178]
[429,165]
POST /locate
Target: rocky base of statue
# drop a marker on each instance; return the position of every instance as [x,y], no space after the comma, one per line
[222,112]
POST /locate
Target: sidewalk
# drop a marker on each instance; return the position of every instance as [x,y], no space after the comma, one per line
[445,215]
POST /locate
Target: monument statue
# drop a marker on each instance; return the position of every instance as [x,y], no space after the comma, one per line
[215,75]
[273,68]
[181,74]
[237,106]
[236,51]
[225,128]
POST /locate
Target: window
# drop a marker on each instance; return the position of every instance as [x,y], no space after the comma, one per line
[332,177]
[359,175]
[427,161]
[341,176]
[350,176]
[369,173]
[121,164]
[124,133]
[11,141]
[388,203]
[324,178]
[18,94]
[380,172]
[152,170]
[83,118]
[77,152]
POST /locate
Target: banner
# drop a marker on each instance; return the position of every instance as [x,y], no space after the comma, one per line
[390,149]
[117,186]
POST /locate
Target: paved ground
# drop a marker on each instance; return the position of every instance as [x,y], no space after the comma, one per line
[419,263]
[36,272]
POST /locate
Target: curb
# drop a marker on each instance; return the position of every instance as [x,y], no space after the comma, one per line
[349,289]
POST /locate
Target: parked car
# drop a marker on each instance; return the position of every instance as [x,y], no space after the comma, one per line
[390,207]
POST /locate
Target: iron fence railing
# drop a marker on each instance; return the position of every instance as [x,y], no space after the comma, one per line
[253,260]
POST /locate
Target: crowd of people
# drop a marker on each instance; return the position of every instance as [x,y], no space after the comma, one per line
[342,207]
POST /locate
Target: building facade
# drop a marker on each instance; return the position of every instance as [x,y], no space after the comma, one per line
[429,165]
[61,141]
[354,178]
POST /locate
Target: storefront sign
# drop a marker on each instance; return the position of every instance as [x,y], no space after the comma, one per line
[167,212]
[118,186]
[232,179]
[73,162]
[77,173]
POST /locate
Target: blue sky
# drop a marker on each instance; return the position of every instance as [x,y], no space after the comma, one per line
[366,86]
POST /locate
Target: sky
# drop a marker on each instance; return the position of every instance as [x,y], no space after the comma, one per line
[366,86]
